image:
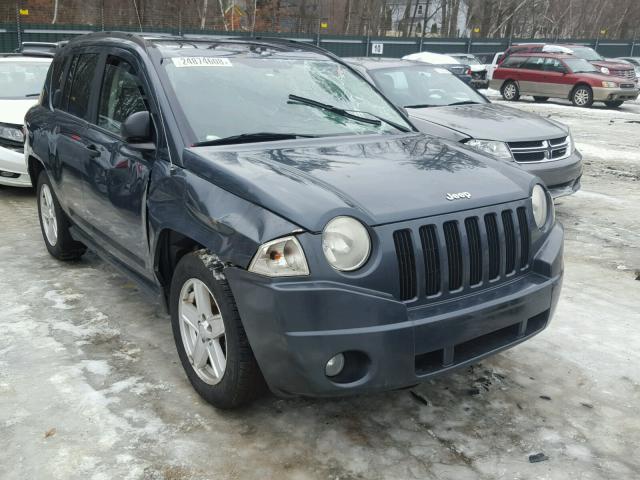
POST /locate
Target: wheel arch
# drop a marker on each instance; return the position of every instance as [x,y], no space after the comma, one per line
[579,84]
[34,167]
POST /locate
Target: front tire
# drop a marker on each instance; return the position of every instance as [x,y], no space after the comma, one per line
[55,224]
[510,91]
[582,96]
[614,103]
[209,336]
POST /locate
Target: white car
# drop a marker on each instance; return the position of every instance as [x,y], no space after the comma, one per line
[432,58]
[21,80]
[478,69]
[493,65]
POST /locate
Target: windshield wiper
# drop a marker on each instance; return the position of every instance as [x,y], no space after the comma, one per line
[251,137]
[466,102]
[32,95]
[423,105]
[377,120]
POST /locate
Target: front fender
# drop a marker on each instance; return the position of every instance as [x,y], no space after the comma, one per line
[224,223]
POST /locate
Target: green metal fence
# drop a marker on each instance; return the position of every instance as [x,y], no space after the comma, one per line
[345,46]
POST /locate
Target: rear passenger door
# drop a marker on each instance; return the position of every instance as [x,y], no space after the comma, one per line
[533,77]
[558,84]
[118,175]
[69,152]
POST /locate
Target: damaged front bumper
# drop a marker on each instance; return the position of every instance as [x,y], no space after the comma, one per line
[296,325]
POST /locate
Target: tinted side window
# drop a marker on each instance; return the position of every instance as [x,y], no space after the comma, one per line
[120,96]
[513,62]
[56,72]
[77,89]
[553,65]
[534,63]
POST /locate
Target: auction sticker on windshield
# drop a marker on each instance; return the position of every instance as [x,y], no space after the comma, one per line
[181,62]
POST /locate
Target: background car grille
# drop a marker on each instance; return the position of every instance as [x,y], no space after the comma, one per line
[630,74]
[453,253]
[540,150]
[15,146]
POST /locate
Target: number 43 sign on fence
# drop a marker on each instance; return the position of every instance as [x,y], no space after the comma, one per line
[377,48]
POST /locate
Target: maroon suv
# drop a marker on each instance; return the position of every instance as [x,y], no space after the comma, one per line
[552,75]
[615,68]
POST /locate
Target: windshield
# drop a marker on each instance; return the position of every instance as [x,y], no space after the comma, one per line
[586,53]
[240,92]
[428,86]
[578,65]
[22,79]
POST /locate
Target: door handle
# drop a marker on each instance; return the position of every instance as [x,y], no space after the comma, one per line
[92,150]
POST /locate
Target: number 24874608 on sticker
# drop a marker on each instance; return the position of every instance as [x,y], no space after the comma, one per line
[182,62]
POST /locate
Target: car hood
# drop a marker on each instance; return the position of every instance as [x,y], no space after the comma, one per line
[489,121]
[612,65]
[13,110]
[380,179]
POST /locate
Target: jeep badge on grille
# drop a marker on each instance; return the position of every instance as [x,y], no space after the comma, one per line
[457,196]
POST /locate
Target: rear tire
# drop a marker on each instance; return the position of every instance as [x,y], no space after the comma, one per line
[55,224]
[510,91]
[209,336]
[582,96]
[540,99]
[614,103]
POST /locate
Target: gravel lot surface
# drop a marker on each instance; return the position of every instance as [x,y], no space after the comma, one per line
[91,386]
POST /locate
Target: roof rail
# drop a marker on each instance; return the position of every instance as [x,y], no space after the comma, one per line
[302,45]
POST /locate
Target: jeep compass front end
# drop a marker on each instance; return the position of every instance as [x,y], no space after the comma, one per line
[298,227]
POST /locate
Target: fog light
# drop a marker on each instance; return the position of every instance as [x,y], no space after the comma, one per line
[334,365]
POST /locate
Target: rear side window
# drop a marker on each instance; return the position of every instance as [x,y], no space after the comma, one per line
[513,62]
[553,65]
[77,90]
[534,63]
[120,95]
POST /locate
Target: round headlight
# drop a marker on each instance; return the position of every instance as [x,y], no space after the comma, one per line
[346,243]
[540,206]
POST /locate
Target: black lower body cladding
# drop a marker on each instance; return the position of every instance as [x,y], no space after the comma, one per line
[291,325]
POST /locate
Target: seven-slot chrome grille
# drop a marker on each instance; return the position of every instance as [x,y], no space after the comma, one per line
[541,150]
[630,74]
[452,256]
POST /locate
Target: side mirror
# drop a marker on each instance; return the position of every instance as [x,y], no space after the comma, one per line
[57,98]
[136,131]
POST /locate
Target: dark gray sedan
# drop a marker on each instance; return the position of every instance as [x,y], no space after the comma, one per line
[440,104]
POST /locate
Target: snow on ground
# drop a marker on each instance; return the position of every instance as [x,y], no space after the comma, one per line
[91,386]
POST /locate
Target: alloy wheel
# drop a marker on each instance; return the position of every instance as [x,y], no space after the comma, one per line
[510,91]
[48,215]
[202,331]
[581,96]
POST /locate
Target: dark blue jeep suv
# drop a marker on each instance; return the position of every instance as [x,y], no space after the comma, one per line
[298,228]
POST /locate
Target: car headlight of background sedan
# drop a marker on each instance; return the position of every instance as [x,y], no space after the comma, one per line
[493,147]
[609,84]
[542,206]
[283,257]
[11,132]
[571,145]
[604,70]
[346,243]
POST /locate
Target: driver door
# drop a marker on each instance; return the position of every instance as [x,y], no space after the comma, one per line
[118,176]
